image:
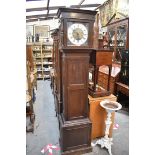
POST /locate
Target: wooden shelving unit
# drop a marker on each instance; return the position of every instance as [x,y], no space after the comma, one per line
[42,56]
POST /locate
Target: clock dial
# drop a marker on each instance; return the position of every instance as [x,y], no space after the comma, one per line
[77,34]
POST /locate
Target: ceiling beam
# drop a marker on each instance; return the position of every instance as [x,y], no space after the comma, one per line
[41,19]
[81,2]
[84,6]
[57,7]
[44,8]
[47,8]
[41,15]
[105,3]
[33,0]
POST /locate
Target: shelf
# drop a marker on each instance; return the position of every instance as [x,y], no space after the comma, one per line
[48,56]
[47,63]
[47,44]
[38,63]
[29,43]
[37,43]
[46,77]
[42,55]
[120,46]
[46,70]
[47,50]
[37,57]
[39,77]
[36,50]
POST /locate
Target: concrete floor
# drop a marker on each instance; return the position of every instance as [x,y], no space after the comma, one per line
[46,127]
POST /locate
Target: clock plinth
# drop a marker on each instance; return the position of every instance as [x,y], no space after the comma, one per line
[74,136]
[75,46]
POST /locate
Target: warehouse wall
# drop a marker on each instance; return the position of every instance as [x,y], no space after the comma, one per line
[52,23]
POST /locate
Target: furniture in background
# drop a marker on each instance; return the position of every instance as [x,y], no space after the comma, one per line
[123,88]
[30,96]
[114,76]
[118,33]
[99,57]
[52,77]
[57,85]
[123,83]
[110,107]
[97,115]
[42,58]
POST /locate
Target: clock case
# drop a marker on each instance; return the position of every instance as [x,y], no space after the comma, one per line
[74,124]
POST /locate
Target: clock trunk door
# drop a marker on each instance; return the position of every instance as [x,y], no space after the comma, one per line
[75,87]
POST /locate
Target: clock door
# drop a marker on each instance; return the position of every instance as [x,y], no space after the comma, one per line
[75,84]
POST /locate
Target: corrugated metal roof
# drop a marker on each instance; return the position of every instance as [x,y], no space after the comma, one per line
[46,9]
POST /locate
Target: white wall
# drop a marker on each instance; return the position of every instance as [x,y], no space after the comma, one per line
[53,23]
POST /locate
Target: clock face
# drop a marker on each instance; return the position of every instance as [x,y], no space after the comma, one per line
[77,34]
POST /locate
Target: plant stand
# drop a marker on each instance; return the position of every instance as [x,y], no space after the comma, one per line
[110,107]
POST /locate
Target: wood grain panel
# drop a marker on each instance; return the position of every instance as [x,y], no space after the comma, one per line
[75,140]
[103,58]
[76,103]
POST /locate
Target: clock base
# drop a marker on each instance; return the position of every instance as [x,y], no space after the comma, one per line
[75,136]
[98,93]
[78,151]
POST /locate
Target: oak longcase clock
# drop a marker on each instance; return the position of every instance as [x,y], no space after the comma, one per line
[75,46]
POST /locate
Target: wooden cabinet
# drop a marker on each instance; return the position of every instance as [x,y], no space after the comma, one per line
[103,77]
[123,88]
[98,116]
[98,58]
[29,56]
[118,33]
[123,82]
[57,91]
[31,85]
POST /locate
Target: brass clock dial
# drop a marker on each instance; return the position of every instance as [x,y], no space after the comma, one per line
[77,34]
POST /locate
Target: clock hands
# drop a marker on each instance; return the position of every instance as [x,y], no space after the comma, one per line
[77,34]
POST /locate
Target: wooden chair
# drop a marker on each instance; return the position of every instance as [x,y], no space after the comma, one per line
[29,99]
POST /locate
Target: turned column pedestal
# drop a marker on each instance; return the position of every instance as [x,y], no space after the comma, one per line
[110,107]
